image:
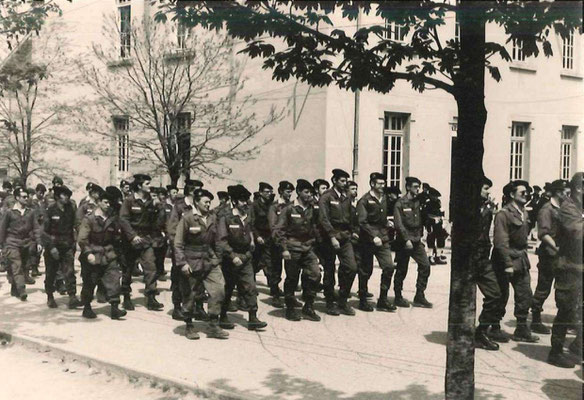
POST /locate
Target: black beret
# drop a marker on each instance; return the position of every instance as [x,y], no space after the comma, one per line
[576,181]
[558,184]
[393,190]
[223,195]
[521,182]
[426,186]
[376,175]
[487,181]
[264,186]
[285,185]
[352,183]
[140,178]
[16,182]
[412,179]
[154,190]
[96,188]
[536,188]
[6,185]
[171,187]
[162,191]
[194,182]
[508,188]
[433,192]
[57,179]
[203,193]
[319,182]
[302,184]
[339,173]
[41,188]
[239,192]
[89,186]
[114,194]
[547,187]
[59,190]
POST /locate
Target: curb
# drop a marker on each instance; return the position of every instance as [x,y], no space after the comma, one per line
[132,374]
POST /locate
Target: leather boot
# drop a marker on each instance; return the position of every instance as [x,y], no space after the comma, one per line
[88,312]
[498,335]
[292,314]
[558,358]
[13,291]
[225,323]
[364,304]
[152,304]
[420,301]
[537,326]
[115,312]
[482,341]
[51,301]
[254,323]
[400,301]
[28,280]
[383,304]
[277,302]
[127,304]
[23,297]
[331,308]
[309,313]
[345,308]
[214,330]
[177,313]
[523,334]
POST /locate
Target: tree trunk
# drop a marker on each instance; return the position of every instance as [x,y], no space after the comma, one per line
[174,174]
[466,181]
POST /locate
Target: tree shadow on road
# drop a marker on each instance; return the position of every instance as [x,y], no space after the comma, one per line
[284,386]
[562,389]
[533,351]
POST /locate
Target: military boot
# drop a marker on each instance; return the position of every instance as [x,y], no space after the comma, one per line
[200,314]
[28,280]
[400,301]
[177,313]
[537,326]
[297,303]
[35,271]
[309,313]
[51,301]
[225,323]
[88,312]
[13,291]
[576,347]
[420,301]
[191,333]
[152,304]
[383,304]
[499,335]
[277,302]
[523,334]
[100,296]
[127,304]
[214,330]
[364,304]
[254,323]
[345,308]
[73,302]
[116,312]
[331,308]
[292,314]
[482,341]
[23,297]
[558,358]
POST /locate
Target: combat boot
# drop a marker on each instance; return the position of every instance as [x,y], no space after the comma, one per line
[127,304]
[200,314]
[191,333]
[152,304]
[232,306]
[420,301]
[400,301]
[345,308]
[13,291]
[115,312]
[537,326]
[35,271]
[364,304]
[292,314]
[88,312]
[73,302]
[225,323]
[309,313]
[558,358]
[177,313]
[214,330]
[499,335]
[439,261]
[100,296]
[523,334]
[254,323]
[277,302]
[331,308]
[23,297]
[51,301]
[482,341]
[383,304]
[296,303]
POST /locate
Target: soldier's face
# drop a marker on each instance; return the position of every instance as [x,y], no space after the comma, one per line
[63,199]
[286,194]
[305,195]
[266,194]
[40,194]
[204,204]
[520,195]
[104,205]
[172,194]
[162,197]
[22,199]
[414,188]
[322,189]
[242,205]
[485,192]
[352,191]
[341,183]
[146,187]
[126,189]
[378,185]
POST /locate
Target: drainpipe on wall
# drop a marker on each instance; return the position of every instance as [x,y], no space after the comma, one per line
[356,121]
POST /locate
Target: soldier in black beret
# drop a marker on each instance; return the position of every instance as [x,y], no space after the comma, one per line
[223,197]
[410,228]
[337,226]
[320,186]
[234,245]
[433,216]
[57,237]
[138,219]
[88,204]
[125,188]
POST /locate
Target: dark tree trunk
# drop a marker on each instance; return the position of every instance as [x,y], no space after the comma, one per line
[467,174]
[174,174]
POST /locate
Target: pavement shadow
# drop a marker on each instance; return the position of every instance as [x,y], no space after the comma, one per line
[284,386]
[533,351]
[437,337]
[562,389]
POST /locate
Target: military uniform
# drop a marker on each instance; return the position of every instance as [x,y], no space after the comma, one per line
[260,226]
[39,208]
[275,273]
[16,238]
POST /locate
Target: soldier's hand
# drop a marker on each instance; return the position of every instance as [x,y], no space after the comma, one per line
[409,245]
[186,269]
[237,261]
[377,242]
[335,243]
[55,253]
[260,240]
[136,240]
[286,255]
[389,224]
[355,236]
[91,259]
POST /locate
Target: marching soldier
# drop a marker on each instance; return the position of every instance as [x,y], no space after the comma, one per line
[510,260]
[374,241]
[235,244]
[352,192]
[39,207]
[138,219]
[336,223]
[16,237]
[88,204]
[409,226]
[98,236]
[160,243]
[57,238]
[568,276]
[437,235]
[548,220]
[285,190]
[295,234]
[485,275]
[196,257]
[223,198]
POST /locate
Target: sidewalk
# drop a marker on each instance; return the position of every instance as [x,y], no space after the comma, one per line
[370,356]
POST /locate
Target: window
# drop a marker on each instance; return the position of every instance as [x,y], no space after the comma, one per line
[183,33]
[121,126]
[566,151]
[456,29]
[125,31]
[517,53]
[394,132]
[568,52]
[518,163]
[394,31]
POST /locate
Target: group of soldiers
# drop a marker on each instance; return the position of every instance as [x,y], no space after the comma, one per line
[215,251]
[558,213]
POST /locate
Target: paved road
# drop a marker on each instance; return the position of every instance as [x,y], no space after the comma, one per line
[370,356]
